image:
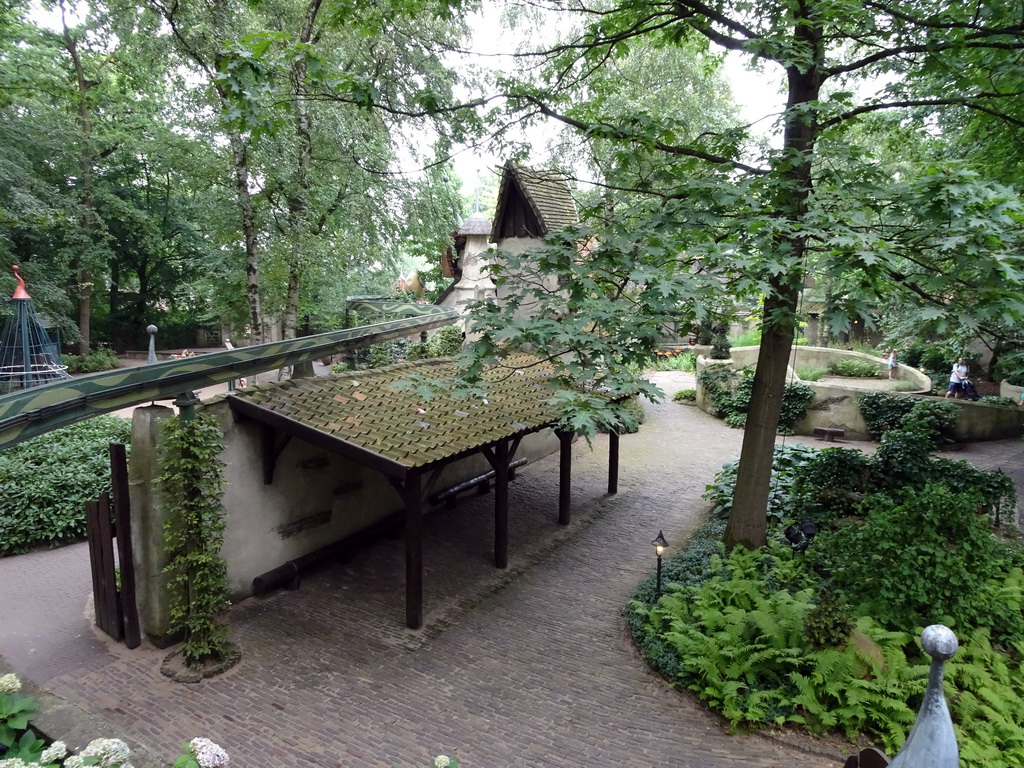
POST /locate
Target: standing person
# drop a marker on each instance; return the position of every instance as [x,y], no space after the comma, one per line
[891,360]
[956,377]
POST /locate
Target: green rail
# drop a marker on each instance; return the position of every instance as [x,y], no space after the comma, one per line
[31,412]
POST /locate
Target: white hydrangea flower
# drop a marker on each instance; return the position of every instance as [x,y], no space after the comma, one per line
[56,751]
[13,762]
[442,761]
[111,752]
[74,762]
[9,684]
[208,754]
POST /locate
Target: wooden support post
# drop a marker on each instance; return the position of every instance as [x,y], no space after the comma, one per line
[413,552]
[613,462]
[565,478]
[501,505]
[125,556]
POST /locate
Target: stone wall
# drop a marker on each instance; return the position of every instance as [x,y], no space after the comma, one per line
[835,405]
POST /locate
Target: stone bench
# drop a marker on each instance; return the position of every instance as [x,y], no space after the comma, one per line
[829,433]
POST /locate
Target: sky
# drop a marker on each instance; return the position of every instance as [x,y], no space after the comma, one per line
[758,94]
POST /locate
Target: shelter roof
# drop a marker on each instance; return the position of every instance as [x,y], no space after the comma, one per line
[546,193]
[364,415]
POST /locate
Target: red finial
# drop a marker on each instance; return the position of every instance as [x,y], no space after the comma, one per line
[19,292]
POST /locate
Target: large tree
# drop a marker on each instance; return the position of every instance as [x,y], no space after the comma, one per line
[942,238]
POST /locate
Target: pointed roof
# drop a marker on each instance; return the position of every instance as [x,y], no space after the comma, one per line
[544,197]
[477,224]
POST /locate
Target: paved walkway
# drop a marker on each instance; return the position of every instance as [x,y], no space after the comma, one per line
[527,667]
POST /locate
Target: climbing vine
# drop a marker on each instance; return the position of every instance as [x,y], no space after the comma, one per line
[192,487]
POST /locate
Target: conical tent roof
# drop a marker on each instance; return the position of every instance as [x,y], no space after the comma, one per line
[28,358]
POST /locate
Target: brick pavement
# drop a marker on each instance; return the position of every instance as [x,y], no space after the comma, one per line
[531,666]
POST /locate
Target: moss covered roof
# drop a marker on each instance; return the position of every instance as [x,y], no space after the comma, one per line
[365,409]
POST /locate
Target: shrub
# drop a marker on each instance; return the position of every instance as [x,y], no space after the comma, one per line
[46,481]
[729,397]
[102,359]
[685,396]
[447,342]
[787,463]
[882,411]
[919,558]
[998,400]
[905,386]
[854,368]
[932,418]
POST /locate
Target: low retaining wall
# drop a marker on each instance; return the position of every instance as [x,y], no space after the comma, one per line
[835,406]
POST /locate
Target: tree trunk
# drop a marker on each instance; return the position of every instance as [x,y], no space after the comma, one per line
[240,153]
[84,84]
[748,520]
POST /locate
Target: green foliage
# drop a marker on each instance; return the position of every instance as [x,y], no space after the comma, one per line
[46,481]
[632,416]
[882,411]
[787,463]
[854,368]
[932,418]
[191,488]
[829,622]
[998,400]
[750,338]
[720,347]
[729,397]
[685,396]
[102,359]
[446,342]
[830,484]
[15,713]
[919,557]
[796,396]
[682,361]
[810,374]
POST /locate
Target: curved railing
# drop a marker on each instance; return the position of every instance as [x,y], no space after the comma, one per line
[32,412]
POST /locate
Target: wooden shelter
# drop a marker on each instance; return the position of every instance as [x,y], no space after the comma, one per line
[376,418]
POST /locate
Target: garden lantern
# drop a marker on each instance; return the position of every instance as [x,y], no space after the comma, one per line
[660,545]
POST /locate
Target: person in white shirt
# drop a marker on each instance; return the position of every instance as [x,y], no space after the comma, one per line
[956,377]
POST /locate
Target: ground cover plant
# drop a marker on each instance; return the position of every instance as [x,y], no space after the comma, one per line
[102,359]
[853,368]
[820,627]
[45,482]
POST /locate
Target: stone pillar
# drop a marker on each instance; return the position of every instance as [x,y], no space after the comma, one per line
[148,524]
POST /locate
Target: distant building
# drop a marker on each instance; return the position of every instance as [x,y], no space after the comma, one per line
[531,205]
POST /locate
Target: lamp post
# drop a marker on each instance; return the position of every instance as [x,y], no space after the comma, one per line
[660,545]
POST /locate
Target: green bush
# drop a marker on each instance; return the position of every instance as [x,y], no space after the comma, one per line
[683,361]
[45,482]
[787,464]
[447,342]
[685,396]
[102,359]
[918,558]
[854,368]
[998,400]
[933,418]
[729,397]
[882,411]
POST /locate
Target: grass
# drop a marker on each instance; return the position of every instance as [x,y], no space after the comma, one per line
[810,373]
[749,338]
[678,361]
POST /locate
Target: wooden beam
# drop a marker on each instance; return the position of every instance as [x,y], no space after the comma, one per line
[501,454]
[413,552]
[564,478]
[613,462]
[125,555]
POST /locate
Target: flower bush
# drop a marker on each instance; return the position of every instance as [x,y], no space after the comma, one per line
[22,749]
